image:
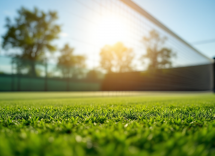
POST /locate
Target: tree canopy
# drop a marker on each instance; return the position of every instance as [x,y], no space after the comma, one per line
[70,65]
[158,55]
[116,58]
[32,32]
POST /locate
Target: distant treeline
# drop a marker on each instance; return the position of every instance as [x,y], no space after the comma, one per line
[32,32]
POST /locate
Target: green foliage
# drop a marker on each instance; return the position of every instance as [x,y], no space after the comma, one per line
[69,64]
[148,125]
[117,58]
[31,33]
[156,52]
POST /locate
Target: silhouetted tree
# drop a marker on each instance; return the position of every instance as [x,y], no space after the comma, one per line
[71,65]
[116,58]
[159,56]
[32,33]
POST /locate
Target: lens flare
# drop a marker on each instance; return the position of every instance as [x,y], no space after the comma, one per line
[111,30]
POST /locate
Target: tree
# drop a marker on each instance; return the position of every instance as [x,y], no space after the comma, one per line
[32,33]
[116,58]
[70,65]
[159,56]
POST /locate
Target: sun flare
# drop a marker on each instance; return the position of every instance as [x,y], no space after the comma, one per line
[111,30]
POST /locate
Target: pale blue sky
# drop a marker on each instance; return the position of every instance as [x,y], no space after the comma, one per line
[193,20]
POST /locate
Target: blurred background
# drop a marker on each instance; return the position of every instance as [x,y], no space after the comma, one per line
[107,45]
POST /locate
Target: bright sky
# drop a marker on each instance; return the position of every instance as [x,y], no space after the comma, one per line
[193,20]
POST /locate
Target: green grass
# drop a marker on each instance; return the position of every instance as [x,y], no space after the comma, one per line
[60,124]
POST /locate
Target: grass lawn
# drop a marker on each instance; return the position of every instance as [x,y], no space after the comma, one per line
[77,124]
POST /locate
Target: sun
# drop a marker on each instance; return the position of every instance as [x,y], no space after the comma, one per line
[111,29]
